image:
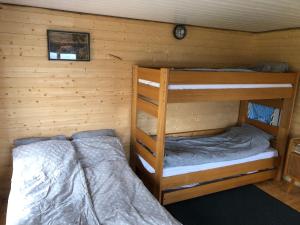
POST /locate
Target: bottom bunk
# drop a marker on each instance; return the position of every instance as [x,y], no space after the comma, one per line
[196,166]
[185,186]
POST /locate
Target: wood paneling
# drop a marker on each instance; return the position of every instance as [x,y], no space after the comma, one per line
[281,46]
[194,116]
[255,16]
[40,97]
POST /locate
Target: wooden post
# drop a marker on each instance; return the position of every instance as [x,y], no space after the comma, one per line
[284,128]
[161,130]
[243,113]
[133,117]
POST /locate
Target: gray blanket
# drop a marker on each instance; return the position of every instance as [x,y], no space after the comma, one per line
[118,196]
[89,182]
[236,143]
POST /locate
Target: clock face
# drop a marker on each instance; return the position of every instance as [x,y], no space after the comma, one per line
[179,31]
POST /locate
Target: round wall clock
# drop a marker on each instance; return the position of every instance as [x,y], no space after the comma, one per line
[179,32]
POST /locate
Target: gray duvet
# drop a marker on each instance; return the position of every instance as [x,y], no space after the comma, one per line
[236,143]
[84,182]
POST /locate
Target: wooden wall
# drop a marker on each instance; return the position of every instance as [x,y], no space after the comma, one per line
[40,97]
[281,46]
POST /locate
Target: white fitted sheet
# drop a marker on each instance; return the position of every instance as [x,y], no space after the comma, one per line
[214,86]
[173,171]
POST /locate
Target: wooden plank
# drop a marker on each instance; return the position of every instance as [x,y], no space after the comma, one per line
[200,77]
[263,126]
[132,157]
[228,94]
[149,74]
[197,133]
[243,112]
[142,151]
[183,194]
[146,139]
[147,107]
[284,128]
[274,103]
[218,173]
[148,91]
[161,129]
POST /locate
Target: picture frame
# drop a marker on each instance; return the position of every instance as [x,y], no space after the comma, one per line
[68,45]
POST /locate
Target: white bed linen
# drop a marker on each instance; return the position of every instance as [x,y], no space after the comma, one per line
[86,182]
[214,86]
[173,171]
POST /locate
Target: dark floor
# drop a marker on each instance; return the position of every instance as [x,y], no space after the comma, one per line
[246,205]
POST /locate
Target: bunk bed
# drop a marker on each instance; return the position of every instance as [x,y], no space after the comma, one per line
[154,88]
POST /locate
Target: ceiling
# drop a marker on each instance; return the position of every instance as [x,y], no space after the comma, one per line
[244,15]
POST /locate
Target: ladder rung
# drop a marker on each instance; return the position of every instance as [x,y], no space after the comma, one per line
[146,139]
[148,91]
[147,107]
[142,151]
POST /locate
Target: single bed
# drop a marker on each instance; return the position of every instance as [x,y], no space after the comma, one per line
[86,181]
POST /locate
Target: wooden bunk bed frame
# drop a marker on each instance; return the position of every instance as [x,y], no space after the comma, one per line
[153,100]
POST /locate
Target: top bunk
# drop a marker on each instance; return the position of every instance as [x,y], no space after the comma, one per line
[188,85]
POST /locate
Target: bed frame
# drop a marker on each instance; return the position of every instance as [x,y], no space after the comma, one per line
[153,100]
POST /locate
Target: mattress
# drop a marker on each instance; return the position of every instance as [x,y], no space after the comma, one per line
[178,170]
[214,86]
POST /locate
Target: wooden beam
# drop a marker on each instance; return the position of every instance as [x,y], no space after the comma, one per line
[161,130]
[284,128]
[146,139]
[243,112]
[149,74]
[263,126]
[132,157]
[183,194]
[142,151]
[147,107]
[274,103]
[217,173]
[228,94]
[148,91]
[197,133]
[200,77]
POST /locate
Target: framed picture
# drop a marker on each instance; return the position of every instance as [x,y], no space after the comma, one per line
[71,46]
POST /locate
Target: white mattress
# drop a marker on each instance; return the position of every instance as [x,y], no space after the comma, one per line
[214,86]
[172,171]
